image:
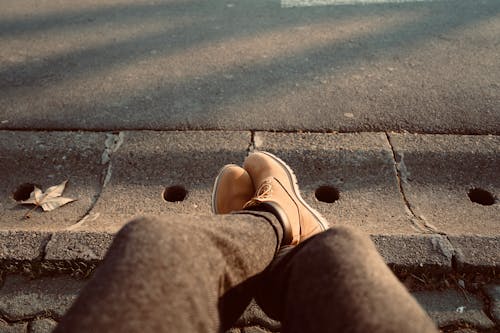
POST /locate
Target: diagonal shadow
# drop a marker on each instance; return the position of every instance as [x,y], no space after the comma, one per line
[216,24]
[260,79]
[74,19]
[255,79]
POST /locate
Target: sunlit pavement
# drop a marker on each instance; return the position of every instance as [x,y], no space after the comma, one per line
[426,66]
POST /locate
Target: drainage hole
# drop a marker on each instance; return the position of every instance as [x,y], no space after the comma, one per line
[175,193]
[482,197]
[327,194]
[23,191]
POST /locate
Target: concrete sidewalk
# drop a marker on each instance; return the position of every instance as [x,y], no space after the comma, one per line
[411,192]
[417,191]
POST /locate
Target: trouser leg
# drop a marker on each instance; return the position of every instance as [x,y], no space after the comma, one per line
[337,282]
[169,275]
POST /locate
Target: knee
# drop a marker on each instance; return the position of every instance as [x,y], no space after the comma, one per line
[335,245]
[140,229]
[348,234]
[338,235]
[140,225]
[154,236]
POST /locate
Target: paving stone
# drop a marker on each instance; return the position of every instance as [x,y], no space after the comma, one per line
[476,251]
[255,316]
[78,245]
[43,325]
[451,307]
[22,245]
[21,298]
[438,171]
[13,328]
[415,251]
[493,292]
[359,165]
[46,159]
[149,162]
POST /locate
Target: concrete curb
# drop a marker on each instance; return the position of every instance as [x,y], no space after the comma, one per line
[409,191]
[412,253]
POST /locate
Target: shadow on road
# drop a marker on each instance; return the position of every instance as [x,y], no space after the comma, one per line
[221,64]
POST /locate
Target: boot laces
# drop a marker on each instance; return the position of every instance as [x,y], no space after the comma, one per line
[264,192]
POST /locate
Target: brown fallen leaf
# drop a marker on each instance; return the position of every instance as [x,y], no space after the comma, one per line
[48,200]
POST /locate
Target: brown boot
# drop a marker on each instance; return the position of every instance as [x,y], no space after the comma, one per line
[278,192]
[232,189]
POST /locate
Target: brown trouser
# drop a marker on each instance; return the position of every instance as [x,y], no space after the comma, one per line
[198,274]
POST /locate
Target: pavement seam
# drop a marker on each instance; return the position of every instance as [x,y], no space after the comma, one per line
[251,145]
[46,314]
[113,142]
[9,322]
[44,246]
[267,130]
[441,244]
[456,258]
[400,168]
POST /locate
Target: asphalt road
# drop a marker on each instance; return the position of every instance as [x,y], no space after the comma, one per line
[427,67]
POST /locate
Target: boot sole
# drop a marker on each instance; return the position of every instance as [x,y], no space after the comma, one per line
[293,179]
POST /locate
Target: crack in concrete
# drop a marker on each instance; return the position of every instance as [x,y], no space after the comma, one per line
[251,145]
[443,245]
[457,257]
[402,177]
[27,320]
[46,241]
[112,143]
[30,318]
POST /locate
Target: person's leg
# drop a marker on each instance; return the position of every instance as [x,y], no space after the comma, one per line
[167,275]
[332,281]
[337,282]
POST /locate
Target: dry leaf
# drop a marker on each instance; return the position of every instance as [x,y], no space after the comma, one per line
[48,200]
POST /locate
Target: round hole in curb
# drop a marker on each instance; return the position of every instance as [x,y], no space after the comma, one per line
[482,197]
[23,191]
[326,193]
[175,193]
